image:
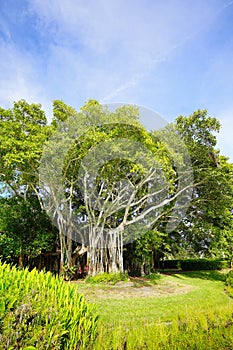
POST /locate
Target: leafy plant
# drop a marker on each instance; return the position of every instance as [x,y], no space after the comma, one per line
[154,277]
[38,310]
[69,272]
[111,278]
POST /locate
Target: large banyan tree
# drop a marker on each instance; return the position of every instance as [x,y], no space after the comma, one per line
[106,181]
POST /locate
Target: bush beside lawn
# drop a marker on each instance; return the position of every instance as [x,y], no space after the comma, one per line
[44,312]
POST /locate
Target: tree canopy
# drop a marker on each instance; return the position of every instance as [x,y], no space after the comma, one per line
[107,182]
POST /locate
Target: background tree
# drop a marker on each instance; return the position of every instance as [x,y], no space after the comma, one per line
[24,227]
[209,217]
[25,230]
[23,131]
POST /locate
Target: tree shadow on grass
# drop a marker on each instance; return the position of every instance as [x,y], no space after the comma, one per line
[211,275]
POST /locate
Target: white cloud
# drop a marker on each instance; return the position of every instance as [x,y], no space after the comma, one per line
[98,49]
[114,44]
[132,25]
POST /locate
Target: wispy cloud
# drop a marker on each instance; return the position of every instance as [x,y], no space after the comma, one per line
[114,45]
[172,56]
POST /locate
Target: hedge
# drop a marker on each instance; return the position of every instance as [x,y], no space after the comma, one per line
[196,264]
[204,264]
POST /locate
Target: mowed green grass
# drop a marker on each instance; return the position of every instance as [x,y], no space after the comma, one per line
[178,294]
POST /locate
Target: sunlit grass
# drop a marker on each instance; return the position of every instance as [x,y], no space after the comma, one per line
[198,292]
[189,311]
[209,329]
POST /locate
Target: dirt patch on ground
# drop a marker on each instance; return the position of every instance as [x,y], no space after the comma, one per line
[134,289]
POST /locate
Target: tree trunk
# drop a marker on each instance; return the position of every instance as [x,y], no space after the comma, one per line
[62,247]
[142,267]
[69,252]
[21,260]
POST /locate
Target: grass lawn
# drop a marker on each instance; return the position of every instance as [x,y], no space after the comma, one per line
[183,311]
[177,294]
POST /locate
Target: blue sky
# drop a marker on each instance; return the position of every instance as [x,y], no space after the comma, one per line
[172,56]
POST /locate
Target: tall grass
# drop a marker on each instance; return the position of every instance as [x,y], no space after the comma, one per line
[39,310]
[200,331]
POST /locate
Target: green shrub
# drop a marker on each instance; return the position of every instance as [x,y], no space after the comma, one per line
[69,272]
[203,264]
[154,277]
[197,264]
[104,277]
[171,264]
[41,311]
